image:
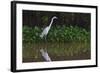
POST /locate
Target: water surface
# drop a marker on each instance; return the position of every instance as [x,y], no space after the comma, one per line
[57,51]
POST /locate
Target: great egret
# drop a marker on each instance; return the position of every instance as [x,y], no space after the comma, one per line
[44,34]
[46,30]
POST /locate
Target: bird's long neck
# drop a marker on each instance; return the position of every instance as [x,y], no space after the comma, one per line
[51,22]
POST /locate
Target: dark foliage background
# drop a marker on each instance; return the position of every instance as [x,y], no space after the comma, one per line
[43,18]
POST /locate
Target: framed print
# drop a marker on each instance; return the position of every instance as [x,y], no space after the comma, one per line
[47,36]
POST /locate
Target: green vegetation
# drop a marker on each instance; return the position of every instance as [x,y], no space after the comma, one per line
[56,34]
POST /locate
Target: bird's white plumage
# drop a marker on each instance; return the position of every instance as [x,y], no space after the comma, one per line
[44,33]
[46,30]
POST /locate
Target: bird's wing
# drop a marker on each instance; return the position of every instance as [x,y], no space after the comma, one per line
[45,32]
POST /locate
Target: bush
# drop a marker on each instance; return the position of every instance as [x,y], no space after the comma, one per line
[56,34]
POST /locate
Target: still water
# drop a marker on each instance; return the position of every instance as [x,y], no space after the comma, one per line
[56,51]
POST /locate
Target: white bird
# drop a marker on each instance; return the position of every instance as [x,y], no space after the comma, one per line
[45,55]
[44,34]
[46,30]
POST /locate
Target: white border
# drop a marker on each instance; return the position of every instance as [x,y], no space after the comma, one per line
[37,65]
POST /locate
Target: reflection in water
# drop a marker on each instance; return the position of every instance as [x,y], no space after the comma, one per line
[45,55]
[57,51]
